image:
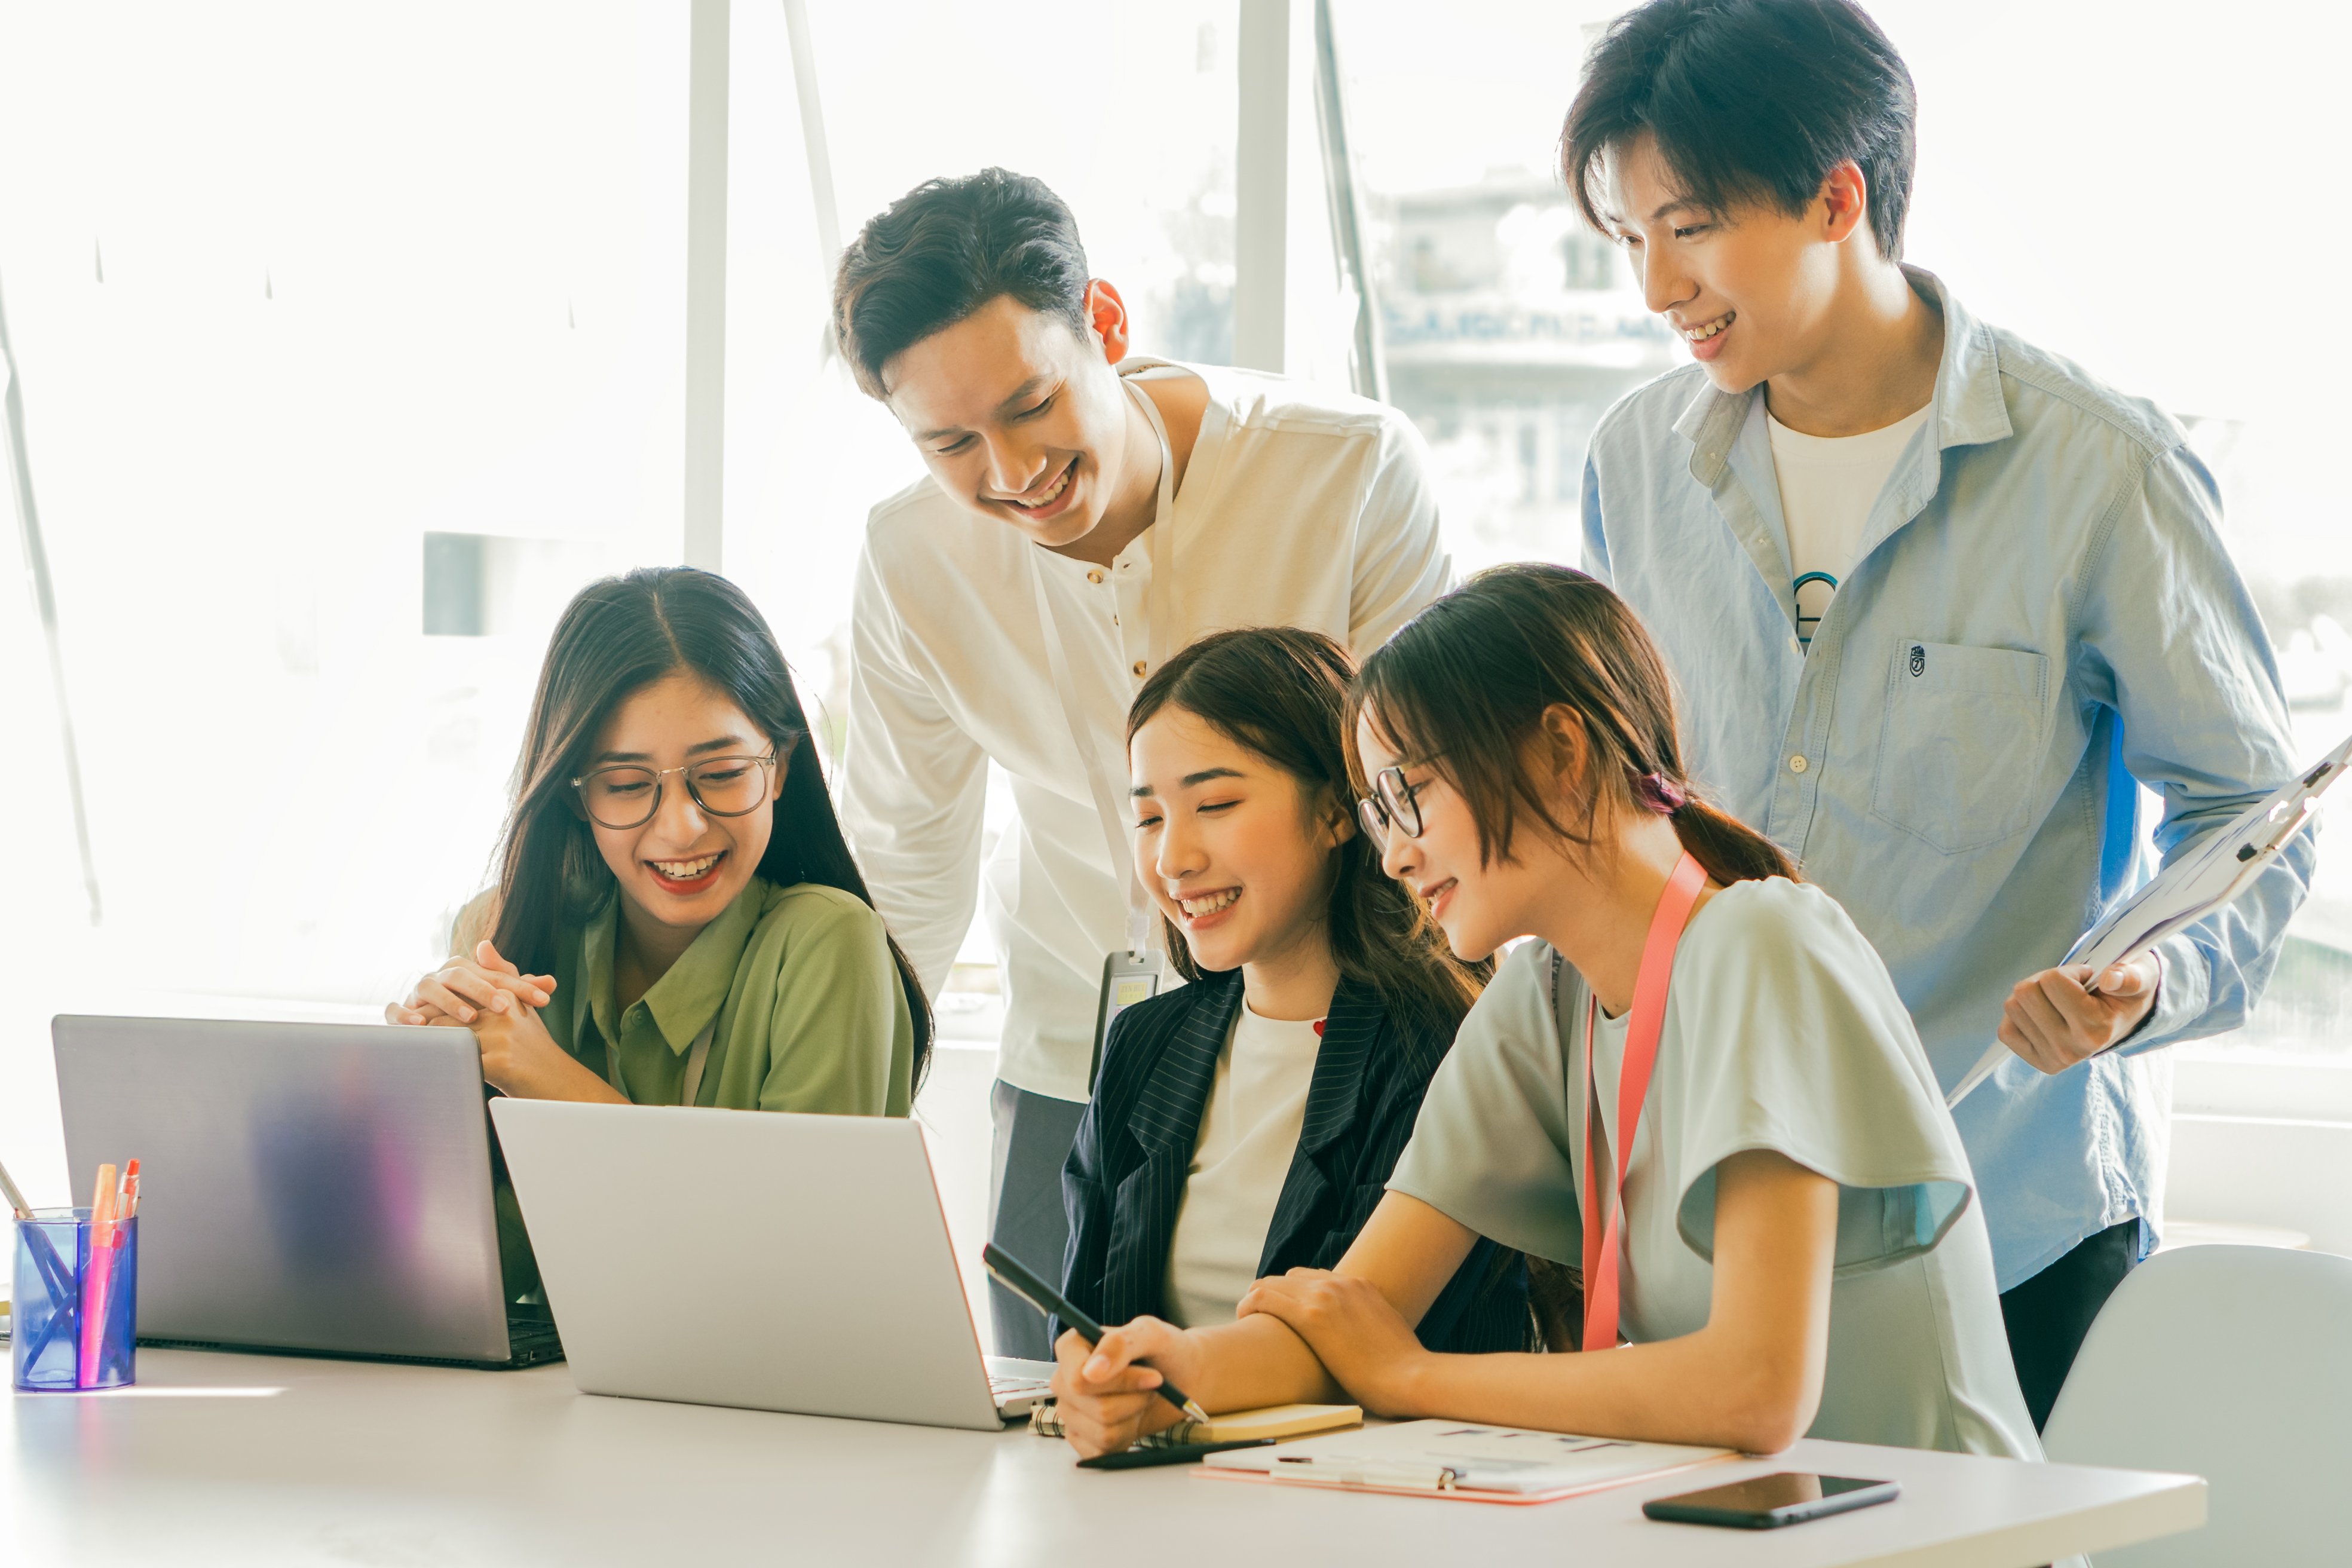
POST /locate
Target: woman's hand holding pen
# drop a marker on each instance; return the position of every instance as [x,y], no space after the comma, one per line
[1105,1400]
[1358,1335]
[462,988]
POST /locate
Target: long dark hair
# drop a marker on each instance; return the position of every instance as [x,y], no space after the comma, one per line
[1465,685]
[1282,694]
[617,637]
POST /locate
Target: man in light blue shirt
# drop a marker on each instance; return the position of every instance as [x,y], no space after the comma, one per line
[2013,597]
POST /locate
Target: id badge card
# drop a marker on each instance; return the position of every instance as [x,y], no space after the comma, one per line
[1127,978]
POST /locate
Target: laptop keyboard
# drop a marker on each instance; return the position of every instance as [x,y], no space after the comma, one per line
[532,1336]
[1020,1385]
[1011,1375]
[1011,1380]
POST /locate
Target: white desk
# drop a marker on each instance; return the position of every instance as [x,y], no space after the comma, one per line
[357,1463]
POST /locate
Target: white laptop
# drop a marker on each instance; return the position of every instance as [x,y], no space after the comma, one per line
[754,1258]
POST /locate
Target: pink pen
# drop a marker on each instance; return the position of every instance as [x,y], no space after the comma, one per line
[100,1273]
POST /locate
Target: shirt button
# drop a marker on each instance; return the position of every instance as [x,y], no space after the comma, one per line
[1095,577]
[1139,666]
[1797,763]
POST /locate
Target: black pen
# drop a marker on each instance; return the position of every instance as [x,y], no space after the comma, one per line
[1018,1278]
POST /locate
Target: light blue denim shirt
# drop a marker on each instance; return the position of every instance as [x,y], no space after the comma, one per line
[2041,612]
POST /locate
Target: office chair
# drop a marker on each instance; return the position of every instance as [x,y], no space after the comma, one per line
[2234,1363]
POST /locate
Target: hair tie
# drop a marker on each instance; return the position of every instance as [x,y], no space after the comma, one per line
[1660,794]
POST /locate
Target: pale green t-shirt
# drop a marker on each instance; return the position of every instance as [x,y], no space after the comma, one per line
[1782,1031]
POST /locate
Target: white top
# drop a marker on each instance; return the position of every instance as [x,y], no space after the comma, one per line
[1829,487]
[1249,1133]
[1300,506]
[1782,1031]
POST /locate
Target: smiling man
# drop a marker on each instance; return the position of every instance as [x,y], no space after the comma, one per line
[1939,605]
[1086,514]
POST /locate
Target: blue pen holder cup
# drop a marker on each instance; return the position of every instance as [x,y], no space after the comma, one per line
[76,1295]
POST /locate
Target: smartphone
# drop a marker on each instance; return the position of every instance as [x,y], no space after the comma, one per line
[1767,1503]
[1127,978]
[1171,1454]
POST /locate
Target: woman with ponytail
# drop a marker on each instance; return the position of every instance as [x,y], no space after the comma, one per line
[1792,1246]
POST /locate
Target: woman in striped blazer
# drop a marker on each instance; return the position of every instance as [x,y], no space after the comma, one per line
[1246,1124]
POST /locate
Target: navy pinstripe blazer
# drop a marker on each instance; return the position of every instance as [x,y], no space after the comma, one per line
[1124,1180]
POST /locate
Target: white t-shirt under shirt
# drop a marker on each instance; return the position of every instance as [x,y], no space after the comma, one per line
[1782,1031]
[1829,486]
[1301,506]
[1249,1133]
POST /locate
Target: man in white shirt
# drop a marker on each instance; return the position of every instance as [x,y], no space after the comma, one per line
[1086,515]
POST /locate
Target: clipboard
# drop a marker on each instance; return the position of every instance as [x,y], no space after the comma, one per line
[2189,889]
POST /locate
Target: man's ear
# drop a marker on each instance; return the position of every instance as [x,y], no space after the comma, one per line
[1107,314]
[1845,202]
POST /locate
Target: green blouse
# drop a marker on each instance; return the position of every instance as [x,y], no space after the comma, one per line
[810,1018]
[810,1015]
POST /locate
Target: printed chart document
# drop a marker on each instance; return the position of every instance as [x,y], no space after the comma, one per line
[2191,887]
[1460,1459]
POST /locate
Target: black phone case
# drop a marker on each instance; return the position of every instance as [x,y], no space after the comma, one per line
[1674,1511]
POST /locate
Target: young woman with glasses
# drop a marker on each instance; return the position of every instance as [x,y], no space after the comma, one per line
[677,919]
[1697,1087]
[1247,1122]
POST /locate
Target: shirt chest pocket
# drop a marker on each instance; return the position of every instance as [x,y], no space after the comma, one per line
[1961,743]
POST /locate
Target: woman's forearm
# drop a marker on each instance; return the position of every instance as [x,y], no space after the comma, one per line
[1695,1389]
[1750,1379]
[1257,1361]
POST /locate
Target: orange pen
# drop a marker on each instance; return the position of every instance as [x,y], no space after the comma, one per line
[102,1201]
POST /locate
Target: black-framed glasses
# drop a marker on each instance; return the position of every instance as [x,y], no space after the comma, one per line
[1393,802]
[625,795]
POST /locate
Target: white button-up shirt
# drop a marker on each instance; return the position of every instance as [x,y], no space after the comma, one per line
[1300,506]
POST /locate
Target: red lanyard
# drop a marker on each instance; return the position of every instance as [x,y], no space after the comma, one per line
[1602,1246]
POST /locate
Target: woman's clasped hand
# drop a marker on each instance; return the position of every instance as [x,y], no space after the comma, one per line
[462,987]
[489,996]
[1356,1331]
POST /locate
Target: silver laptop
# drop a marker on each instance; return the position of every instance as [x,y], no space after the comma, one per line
[314,1188]
[755,1258]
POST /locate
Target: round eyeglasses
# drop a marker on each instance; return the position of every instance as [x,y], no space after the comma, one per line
[625,795]
[1392,804]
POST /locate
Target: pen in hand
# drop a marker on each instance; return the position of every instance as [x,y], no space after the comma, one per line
[1022,1282]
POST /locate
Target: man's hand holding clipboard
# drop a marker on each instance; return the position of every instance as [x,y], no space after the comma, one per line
[2224,865]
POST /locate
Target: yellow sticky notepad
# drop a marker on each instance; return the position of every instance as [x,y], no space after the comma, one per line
[1273,1421]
